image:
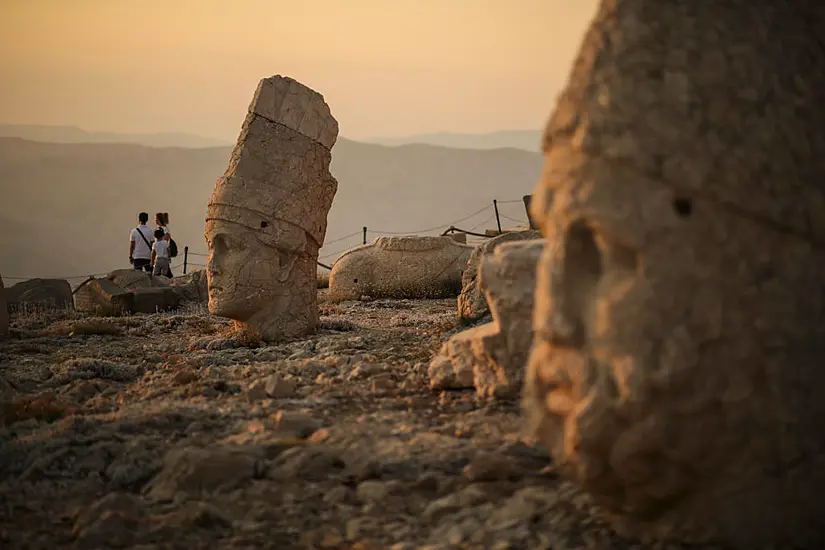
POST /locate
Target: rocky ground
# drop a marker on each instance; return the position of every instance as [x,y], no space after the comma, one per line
[175,431]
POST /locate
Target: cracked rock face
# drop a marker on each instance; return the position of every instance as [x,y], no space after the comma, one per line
[400,267]
[267,216]
[676,373]
[472,305]
[491,357]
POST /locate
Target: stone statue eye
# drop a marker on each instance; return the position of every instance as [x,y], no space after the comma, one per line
[683,207]
[264,224]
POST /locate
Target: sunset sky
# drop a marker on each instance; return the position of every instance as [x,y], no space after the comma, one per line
[386,67]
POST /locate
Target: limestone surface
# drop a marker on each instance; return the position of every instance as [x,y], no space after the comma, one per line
[472,305]
[400,267]
[192,286]
[104,297]
[132,279]
[267,215]
[4,312]
[39,294]
[492,357]
[676,373]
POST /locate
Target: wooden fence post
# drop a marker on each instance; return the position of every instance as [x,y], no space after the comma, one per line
[498,220]
[365,234]
[185,258]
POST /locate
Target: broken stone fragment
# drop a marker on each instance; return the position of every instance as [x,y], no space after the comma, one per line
[103,297]
[472,304]
[39,294]
[199,472]
[492,357]
[267,215]
[277,387]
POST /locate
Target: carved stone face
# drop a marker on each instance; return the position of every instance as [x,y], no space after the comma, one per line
[247,276]
[676,346]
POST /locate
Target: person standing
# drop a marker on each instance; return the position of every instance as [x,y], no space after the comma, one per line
[160,255]
[162,221]
[140,244]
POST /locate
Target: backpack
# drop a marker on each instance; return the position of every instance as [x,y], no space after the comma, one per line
[173,248]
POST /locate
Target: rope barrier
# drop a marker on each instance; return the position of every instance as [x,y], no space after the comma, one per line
[514,220]
[443,225]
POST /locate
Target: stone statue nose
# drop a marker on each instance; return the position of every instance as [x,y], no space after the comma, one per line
[572,268]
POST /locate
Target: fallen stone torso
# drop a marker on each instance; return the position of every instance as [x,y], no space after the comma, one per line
[400,267]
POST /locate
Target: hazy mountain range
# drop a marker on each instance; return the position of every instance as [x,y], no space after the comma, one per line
[67,208]
[517,139]
[73,134]
[529,140]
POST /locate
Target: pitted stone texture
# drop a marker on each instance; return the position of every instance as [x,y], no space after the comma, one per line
[155,299]
[492,357]
[676,373]
[103,297]
[267,216]
[132,279]
[286,101]
[4,312]
[471,302]
[39,294]
[400,267]
[192,287]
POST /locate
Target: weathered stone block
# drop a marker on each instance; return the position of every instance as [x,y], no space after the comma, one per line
[400,267]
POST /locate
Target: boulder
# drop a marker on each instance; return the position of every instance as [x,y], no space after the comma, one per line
[472,305]
[103,297]
[492,357]
[267,216]
[676,374]
[39,294]
[153,300]
[132,279]
[400,267]
[192,287]
[4,312]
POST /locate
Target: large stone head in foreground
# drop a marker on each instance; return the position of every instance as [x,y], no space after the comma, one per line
[678,369]
[267,216]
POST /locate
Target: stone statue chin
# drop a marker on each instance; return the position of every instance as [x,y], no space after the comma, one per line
[262,285]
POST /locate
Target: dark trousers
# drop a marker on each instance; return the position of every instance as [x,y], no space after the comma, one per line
[142,264]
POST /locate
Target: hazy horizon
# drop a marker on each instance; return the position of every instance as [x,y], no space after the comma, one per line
[191,66]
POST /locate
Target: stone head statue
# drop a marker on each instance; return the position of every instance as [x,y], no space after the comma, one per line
[678,366]
[267,216]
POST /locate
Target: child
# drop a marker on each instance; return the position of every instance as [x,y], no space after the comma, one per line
[160,255]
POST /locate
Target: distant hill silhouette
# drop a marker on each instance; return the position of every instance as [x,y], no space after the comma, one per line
[73,134]
[518,139]
[67,208]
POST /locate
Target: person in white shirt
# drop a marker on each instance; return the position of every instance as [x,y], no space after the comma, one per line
[160,255]
[140,245]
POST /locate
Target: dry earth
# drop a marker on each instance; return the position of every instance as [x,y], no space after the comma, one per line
[157,431]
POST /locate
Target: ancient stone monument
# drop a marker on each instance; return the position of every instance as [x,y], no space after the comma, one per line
[400,267]
[472,305]
[677,370]
[267,216]
[492,357]
[39,294]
